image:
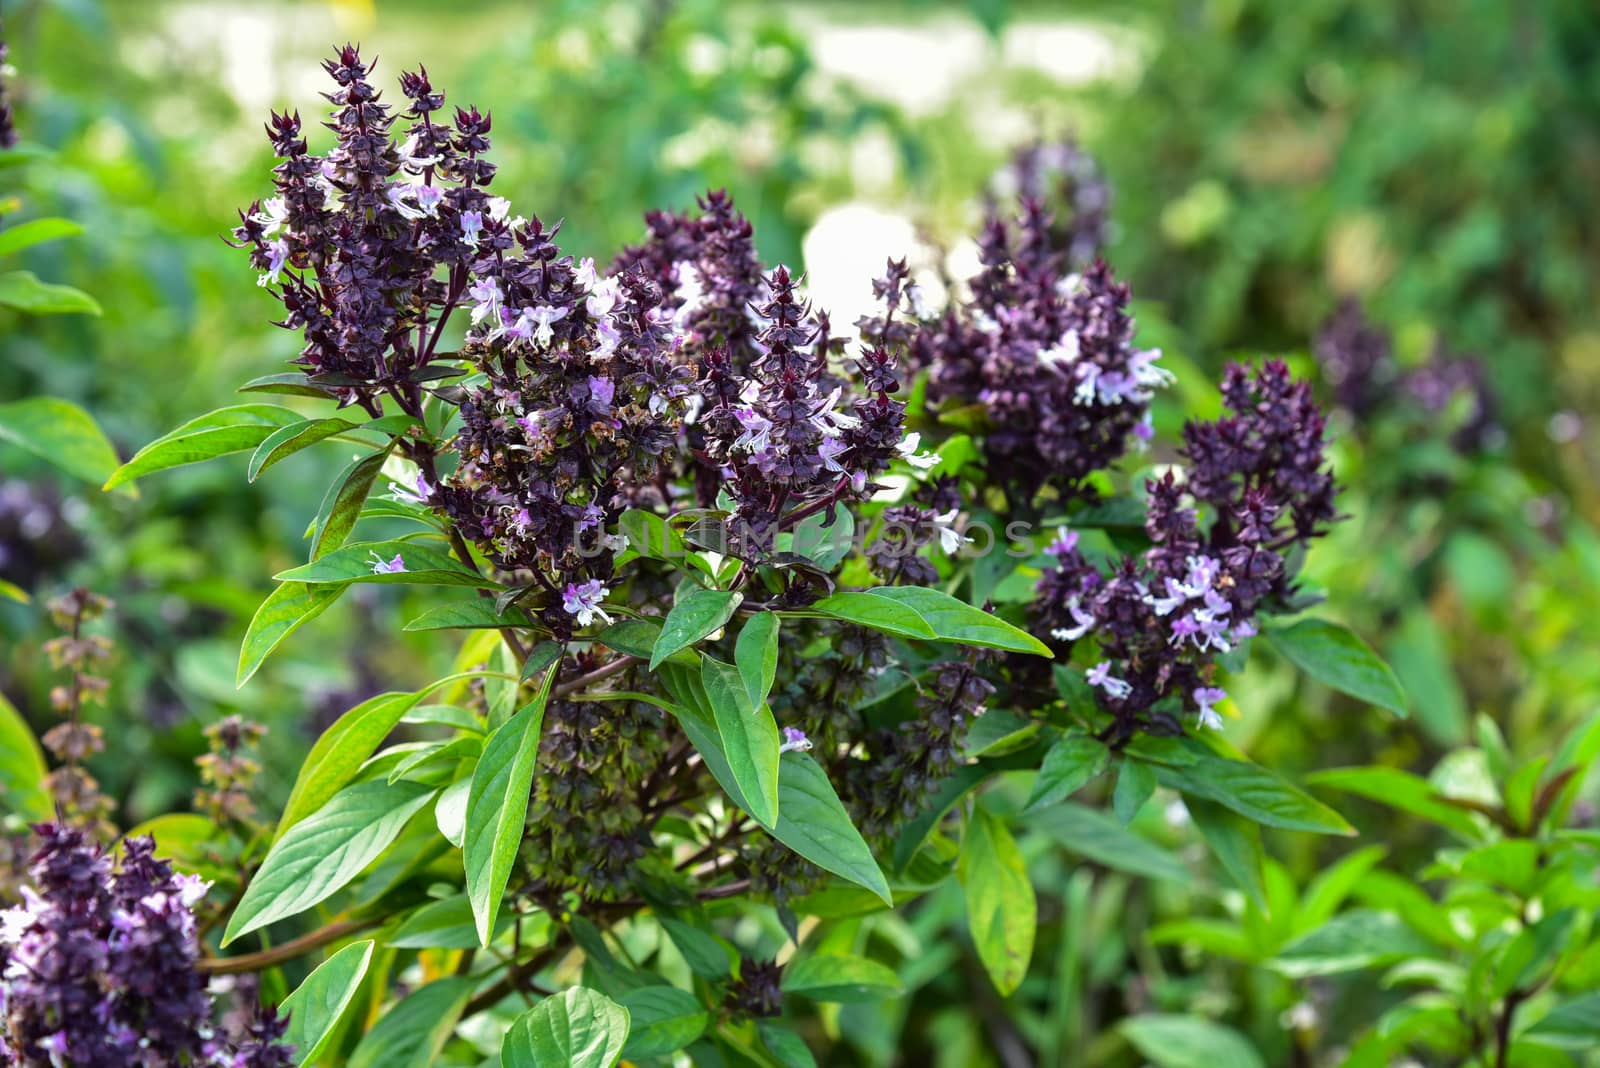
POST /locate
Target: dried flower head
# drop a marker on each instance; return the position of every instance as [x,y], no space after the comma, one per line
[77,794]
[228,771]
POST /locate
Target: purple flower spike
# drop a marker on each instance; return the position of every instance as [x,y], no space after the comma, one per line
[1205,697]
[582,601]
[380,566]
[794,741]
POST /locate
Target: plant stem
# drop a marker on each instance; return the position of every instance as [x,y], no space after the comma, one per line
[513,979]
[267,958]
[1502,1031]
[605,671]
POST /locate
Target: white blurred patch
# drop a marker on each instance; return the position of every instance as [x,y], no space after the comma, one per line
[845,250]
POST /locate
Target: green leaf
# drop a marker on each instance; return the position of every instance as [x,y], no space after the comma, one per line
[1135,783]
[749,737]
[813,823]
[1236,843]
[756,654]
[1336,657]
[542,656]
[23,291]
[694,617]
[963,780]
[1068,766]
[1572,1024]
[423,565]
[879,613]
[636,637]
[218,433]
[1001,911]
[497,805]
[1211,936]
[287,608]
[1253,791]
[12,592]
[450,813]
[789,1048]
[476,614]
[1400,790]
[14,239]
[289,440]
[577,1028]
[662,1020]
[61,433]
[337,755]
[321,854]
[1527,954]
[1351,941]
[341,505]
[842,978]
[447,924]
[953,620]
[823,543]
[649,535]
[420,760]
[1189,1042]
[411,1034]
[1093,834]
[1420,656]
[22,768]
[811,819]
[317,1004]
[287,383]
[1000,731]
[1332,885]
[706,954]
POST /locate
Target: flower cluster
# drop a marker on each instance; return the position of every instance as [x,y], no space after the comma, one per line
[77,794]
[370,247]
[99,965]
[909,530]
[758,991]
[1065,178]
[1159,620]
[904,763]
[883,773]
[586,822]
[783,436]
[1047,356]
[1356,360]
[781,431]
[583,395]
[685,370]
[707,267]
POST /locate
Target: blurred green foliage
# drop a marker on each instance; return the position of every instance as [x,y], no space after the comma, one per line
[1439,160]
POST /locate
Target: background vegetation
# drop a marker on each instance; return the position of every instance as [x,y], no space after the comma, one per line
[1438,162]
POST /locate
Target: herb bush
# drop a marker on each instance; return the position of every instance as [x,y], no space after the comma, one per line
[767,634]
